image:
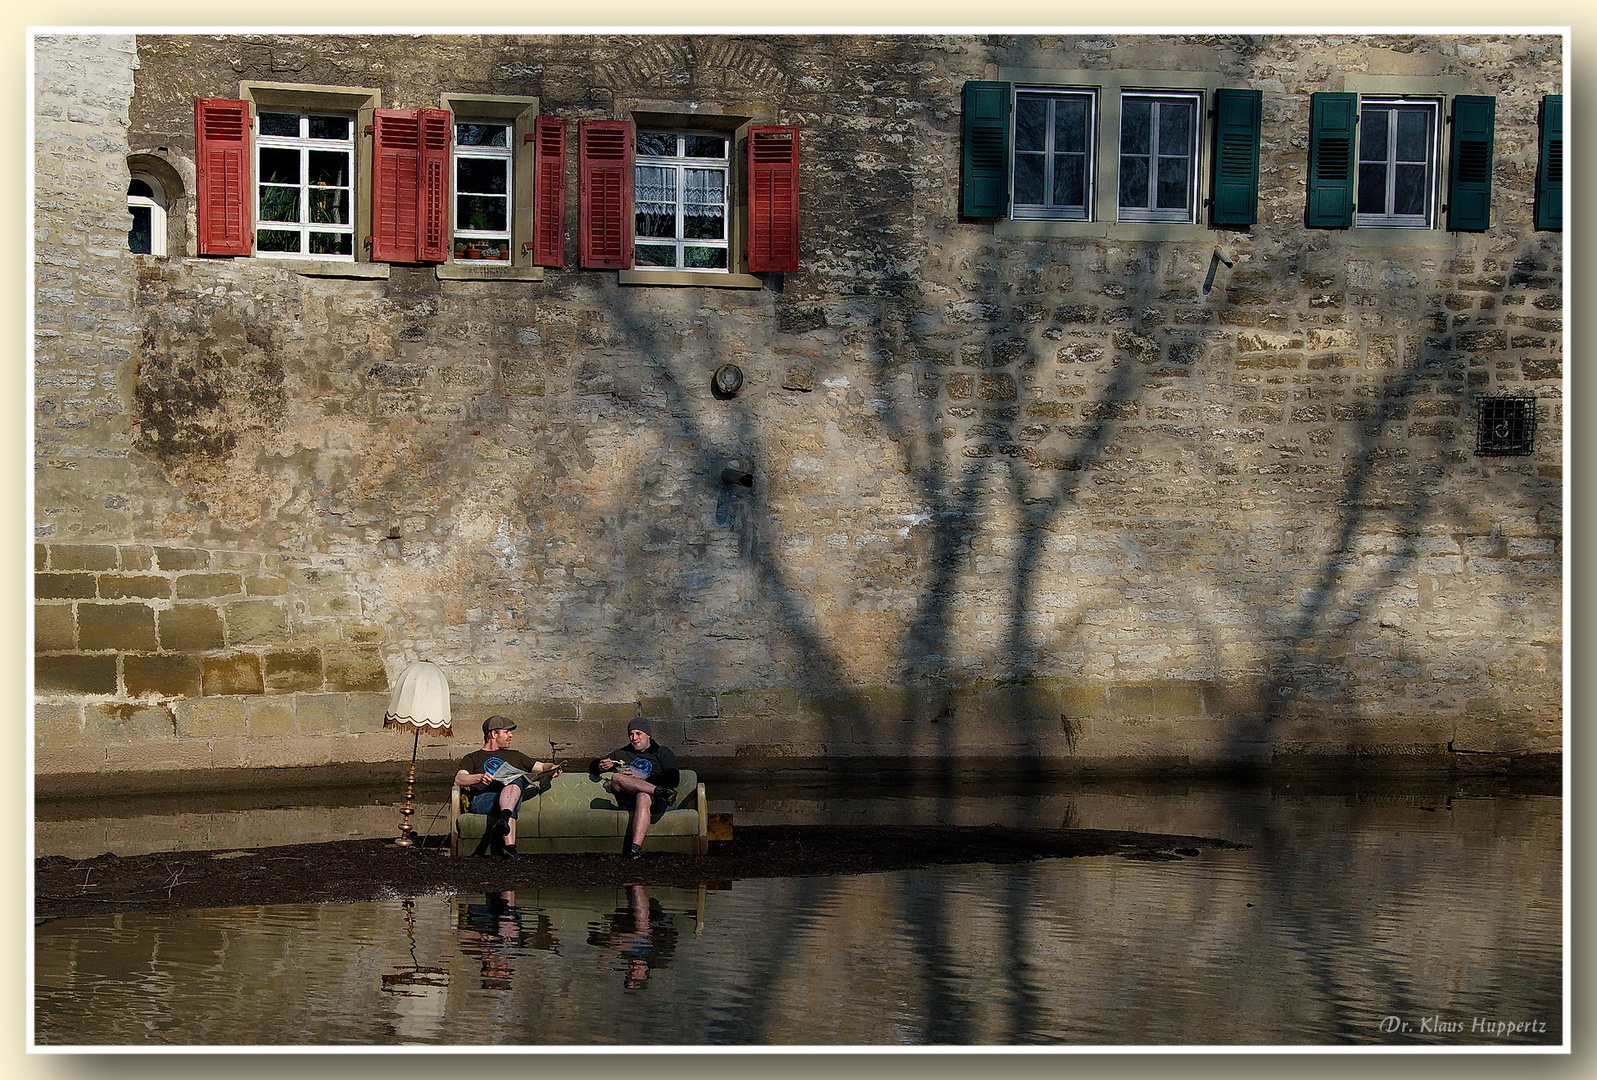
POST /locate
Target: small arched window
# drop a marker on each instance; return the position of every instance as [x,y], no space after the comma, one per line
[147,207]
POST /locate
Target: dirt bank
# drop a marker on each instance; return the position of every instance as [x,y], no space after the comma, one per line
[373,869]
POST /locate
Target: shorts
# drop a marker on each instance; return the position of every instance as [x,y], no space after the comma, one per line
[487,802]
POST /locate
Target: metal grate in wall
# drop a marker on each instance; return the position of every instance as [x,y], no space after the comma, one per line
[1506,426]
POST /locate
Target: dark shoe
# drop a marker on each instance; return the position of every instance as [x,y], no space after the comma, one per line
[509,852]
[634,851]
[501,827]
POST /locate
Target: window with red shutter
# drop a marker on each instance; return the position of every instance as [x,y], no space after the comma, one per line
[773,225]
[222,166]
[604,194]
[549,197]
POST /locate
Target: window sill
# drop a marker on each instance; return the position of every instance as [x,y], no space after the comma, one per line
[690,277]
[361,270]
[1035,229]
[1374,236]
[454,271]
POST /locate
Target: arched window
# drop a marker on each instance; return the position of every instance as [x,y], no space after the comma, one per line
[147,206]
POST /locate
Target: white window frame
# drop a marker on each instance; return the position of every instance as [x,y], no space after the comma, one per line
[155,204]
[679,165]
[460,236]
[1386,218]
[1047,210]
[304,145]
[1194,102]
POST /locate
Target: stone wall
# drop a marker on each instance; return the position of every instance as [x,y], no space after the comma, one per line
[1083,501]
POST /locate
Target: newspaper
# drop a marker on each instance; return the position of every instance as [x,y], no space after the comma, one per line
[501,770]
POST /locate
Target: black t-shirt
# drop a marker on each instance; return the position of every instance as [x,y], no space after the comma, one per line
[480,761]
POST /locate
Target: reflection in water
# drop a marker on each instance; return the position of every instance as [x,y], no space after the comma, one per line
[1347,919]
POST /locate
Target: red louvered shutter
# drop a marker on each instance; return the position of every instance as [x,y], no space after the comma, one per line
[549,192]
[773,161]
[432,185]
[604,194]
[222,168]
[395,196]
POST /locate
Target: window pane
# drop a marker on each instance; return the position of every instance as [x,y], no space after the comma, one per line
[708,223]
[1070,125]
[1372,134]
[654,255]
[278,124]
[279,166]
[1031,122]
[482,175]
[1133,181]
[653,220]
[329,207]
[1409,194]
[1413,135]
[1173,173]
[1029,179]
[331,243]
[704,258]
[484,213]
[1070,180]
[276,240]
[1372,188]
[279,204]
[1175,126]
[482,135]
[139,187]
[653,184]
[706,146]
[657,144]
[140,234]
[329,168]
[1135,126]
[329,127]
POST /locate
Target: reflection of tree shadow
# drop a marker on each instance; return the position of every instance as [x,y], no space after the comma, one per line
[641,935]
[496,931]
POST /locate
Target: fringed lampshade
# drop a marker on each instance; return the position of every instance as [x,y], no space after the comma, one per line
[420,701]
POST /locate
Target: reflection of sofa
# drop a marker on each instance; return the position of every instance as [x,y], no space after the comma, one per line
[577,812]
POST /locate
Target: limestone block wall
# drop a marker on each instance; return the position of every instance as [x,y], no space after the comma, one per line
[1083,500]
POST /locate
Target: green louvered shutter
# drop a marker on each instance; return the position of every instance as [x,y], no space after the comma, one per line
[1469,189]
[984,173]
[1236,157]
[1550,165]
[1332,121]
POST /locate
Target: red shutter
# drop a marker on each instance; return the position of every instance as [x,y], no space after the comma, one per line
[604,194]
[773,162]
[396,154]
[549,194]
[223,188]
[432,185]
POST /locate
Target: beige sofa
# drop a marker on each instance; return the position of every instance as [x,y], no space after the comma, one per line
[576,812]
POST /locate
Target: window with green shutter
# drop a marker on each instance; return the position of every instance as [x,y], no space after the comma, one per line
[1237,121]
[1333,119]
[984,173]
[1469,196]
[1550,165]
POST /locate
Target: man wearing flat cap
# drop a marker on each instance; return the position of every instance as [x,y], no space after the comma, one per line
[496,777]
[643,777]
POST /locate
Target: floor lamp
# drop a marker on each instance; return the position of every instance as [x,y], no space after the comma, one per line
[420,700]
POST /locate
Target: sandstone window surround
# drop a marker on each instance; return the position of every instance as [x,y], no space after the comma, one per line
[758,198]
[158,203]
[1108,154]
[500,141]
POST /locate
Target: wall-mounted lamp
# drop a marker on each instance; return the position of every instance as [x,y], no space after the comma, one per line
[727,381]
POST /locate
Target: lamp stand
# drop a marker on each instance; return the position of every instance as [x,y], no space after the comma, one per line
[407,836]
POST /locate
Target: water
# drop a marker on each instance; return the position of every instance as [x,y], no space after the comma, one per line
[1354,920]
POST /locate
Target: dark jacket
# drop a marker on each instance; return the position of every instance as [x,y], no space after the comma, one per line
[662,763]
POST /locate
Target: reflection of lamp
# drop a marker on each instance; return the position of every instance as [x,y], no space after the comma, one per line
[420,700]
[420,993]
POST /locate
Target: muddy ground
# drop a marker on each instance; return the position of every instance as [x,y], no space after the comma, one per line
[375,869]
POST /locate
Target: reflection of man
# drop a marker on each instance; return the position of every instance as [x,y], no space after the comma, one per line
[499,798]
[641,934]
[643,776]
[494,931]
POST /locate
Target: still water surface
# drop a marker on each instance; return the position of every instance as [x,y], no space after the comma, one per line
[1403,921]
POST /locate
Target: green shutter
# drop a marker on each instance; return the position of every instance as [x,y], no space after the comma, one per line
[1237,116]
[1469,189]
[985,170]
[1333,119]
[1550,165]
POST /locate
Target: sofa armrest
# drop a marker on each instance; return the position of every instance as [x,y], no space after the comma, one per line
[703,807]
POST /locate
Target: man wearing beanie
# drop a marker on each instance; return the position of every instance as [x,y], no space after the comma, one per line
[499,798]
[643,777]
